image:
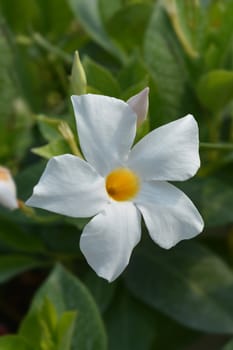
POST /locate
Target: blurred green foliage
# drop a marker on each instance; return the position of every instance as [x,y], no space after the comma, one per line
[184,51]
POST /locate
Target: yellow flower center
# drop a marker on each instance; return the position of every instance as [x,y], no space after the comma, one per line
[4,176]
[122,184]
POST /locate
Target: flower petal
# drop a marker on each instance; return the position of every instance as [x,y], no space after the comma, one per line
[169,214]
[106,128]
[139,103]
[170,152]
[8,196]
[108,239]
[70,186]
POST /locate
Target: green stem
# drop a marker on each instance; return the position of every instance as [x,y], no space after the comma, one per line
[31,213]
[217,146]
[68,135]
[45,44]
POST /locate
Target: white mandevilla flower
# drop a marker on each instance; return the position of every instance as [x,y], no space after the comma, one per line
[8,197]
[117,184]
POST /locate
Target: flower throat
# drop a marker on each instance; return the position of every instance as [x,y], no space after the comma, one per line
[122,184]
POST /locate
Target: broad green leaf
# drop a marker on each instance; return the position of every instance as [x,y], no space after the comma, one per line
[67,293]
[87,12]
[100,78]
[130,325]
[49,127]
[13,342]
[213,196]
[28,178]
[217,203]
[127,26]
[109,8]
[171,95]
[52,149]
[132,74]
[215,89]
[101,290]
[189,283]
[56,17]
[61,238]
[13,264]
[14,239]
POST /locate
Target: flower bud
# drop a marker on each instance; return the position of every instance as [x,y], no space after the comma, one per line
[78,76]
[8,197]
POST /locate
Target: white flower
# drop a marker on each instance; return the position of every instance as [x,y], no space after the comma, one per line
[8,197]
[117,184]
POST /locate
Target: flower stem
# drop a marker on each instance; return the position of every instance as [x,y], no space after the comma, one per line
[217,146]
[45,44]
[31,213]
[68,135]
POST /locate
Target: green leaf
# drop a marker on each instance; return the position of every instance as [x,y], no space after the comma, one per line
[189,283]
[213,195]
[37,327]
[101,290]
[87,12]
[132,74]
[43,330]
[109,8]
[13,342]
[49,127]
[217,203]
[28,178]
[52,149]
[15,239]
[65,329]
[191,18]
[27,14]
[100,78]
[215,89]
[171,95]
[220,31]
[13,264]
[56,15]
[131,323]
[67,293]
[127,26]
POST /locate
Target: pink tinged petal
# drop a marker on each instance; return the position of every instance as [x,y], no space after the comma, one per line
[170,152]
[70,186]
[108,239]
[169,214]
[106,128]
[8,197]
[139,103]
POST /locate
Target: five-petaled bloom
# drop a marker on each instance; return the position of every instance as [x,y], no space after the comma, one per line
[117,184]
